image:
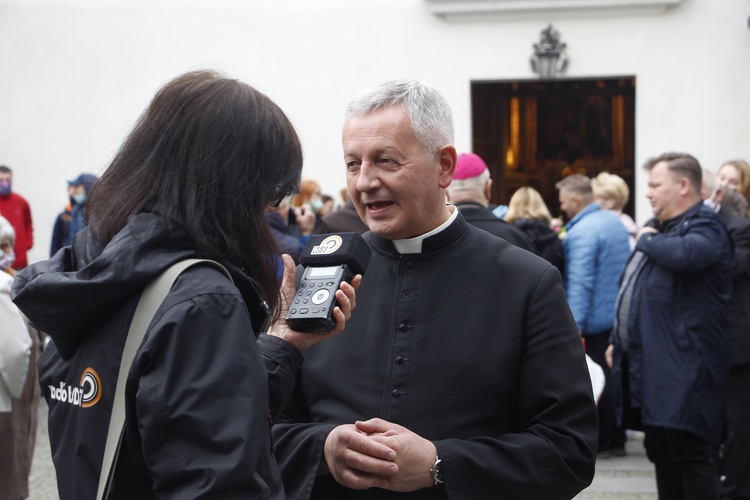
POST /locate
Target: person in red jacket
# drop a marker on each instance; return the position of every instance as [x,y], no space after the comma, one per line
[15,208]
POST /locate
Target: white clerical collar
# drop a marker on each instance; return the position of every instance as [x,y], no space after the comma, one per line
[414,245]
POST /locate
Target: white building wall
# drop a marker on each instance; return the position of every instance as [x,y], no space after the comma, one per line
[75,75]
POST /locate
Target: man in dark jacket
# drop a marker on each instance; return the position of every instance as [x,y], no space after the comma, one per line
[71,220]
[464,376]
[471,190]
[671,323]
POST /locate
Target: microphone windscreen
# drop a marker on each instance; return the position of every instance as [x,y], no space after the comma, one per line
[336,248]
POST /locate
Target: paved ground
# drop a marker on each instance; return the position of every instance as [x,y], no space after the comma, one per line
[617,478]
[42,482]
[630,477]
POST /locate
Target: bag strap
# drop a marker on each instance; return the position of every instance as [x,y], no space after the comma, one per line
[151,298]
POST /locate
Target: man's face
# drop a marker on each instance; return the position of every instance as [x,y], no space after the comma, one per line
[663,192]
[76,190]
[569,203]
[397,188]
[6,177]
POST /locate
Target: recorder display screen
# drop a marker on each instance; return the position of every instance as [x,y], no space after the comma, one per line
[322,272]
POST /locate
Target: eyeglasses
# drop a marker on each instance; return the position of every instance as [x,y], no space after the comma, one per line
[277,201]
[282,192]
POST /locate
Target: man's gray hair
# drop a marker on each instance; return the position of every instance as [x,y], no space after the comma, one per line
[471,185]
[578,184]
[7,231]
[428,110]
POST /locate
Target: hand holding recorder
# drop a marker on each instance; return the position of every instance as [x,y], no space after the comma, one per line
[327,261]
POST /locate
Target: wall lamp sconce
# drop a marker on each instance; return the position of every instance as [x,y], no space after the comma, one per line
[549,54]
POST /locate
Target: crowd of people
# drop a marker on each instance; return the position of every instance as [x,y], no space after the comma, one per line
[457,366]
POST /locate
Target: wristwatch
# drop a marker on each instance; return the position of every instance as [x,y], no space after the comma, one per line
[437,471]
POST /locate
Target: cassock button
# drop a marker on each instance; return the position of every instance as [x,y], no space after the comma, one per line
[395,393]
[402,327]
[410,264]
[399,360]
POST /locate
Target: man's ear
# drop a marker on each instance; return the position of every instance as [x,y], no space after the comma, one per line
[447,156]
[575,200]
[685,187]
[488,190]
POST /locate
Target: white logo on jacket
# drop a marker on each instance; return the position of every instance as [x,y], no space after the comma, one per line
[87,394]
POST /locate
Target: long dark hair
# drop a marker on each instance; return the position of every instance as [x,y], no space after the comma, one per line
[211,152]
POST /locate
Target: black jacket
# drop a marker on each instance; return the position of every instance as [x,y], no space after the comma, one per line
[739,304]
[197,395]
[483,218]
[546,241]
[471,345]
[677,331]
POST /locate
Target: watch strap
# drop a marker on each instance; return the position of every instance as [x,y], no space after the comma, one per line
[437,471]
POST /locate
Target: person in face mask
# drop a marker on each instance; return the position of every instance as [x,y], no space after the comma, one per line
[7,238]
[70,221]
[15,208]
[19,382]
[310,195]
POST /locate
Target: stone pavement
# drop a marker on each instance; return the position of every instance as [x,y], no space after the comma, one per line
[617,478]
[42,481]
[631,477]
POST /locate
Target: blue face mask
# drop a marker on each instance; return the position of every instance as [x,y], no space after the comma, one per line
[80,198]
[4,188]
[6,260]
[316,204]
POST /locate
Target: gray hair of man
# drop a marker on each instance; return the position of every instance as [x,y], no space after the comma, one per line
[428,111]
[7,231]
[469,188]
[577,184]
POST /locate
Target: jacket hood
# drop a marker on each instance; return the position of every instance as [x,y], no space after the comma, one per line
[83,282]
[536,228]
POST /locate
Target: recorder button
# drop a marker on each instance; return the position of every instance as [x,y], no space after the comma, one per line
[320,296]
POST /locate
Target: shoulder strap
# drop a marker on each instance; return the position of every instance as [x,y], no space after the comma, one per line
[151,298]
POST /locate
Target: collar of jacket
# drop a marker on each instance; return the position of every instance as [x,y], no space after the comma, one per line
[667,226]
[590,208]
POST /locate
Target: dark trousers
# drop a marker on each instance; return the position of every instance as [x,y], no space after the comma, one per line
[685,464]
[609,433]
[734,467]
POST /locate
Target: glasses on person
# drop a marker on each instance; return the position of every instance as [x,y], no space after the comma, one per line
[275,202]
[281,193]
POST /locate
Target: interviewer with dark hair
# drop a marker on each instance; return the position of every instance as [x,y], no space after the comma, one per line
[193,180]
